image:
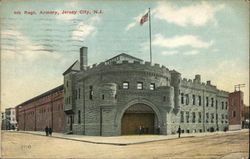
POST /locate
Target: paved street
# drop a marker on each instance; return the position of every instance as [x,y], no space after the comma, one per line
[230,145]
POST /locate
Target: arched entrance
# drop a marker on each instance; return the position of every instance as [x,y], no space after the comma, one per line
[138,119]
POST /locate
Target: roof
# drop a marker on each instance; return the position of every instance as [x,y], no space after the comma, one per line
[126,55]
[42,95]
[70,68]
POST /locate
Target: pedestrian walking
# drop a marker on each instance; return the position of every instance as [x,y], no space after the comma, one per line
[140,130]
[47,131]
[179,131]
[50,131]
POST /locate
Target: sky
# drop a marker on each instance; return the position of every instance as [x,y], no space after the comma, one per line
[210,38]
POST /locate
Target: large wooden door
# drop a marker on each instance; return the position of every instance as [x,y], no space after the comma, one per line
[131,123]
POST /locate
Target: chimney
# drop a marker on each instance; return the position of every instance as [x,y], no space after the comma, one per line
[197,78]
[208,82]
[83,58]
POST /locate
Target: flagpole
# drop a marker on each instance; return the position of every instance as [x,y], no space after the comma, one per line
[150,48]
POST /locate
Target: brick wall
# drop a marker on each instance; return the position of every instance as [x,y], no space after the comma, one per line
[41,111]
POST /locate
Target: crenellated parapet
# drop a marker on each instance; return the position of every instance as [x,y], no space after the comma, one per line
[126,67]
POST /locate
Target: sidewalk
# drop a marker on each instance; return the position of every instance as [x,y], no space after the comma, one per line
[125,140]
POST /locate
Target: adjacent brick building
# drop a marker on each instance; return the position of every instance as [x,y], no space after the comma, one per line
[236,107]
[125,95]
[41,111]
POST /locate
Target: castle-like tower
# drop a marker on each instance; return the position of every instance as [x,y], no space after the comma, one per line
[125,95]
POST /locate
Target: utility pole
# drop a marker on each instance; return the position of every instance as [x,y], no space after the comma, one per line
[238,86]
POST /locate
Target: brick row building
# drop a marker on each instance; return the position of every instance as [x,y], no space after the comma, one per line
[41,111]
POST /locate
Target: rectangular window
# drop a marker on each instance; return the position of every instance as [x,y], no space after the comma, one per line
[193,114]
[226,105]
[207,117]
[187,117]
[216,104]
[193,99]
[182,98]
[164,98]
[187,99]
[79,93]
[182,116]
[79,116]
[212,102]
[199,117]
[76,94]
[91,92]
[152,86]
[207,102]
[222,105]
[199,100]
[125,85]
[139,85]
[212,118]
[234,114]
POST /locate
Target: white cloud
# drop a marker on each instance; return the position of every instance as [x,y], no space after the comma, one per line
[179,41]
[191,52]
[82,31]
[196,15]
[23,48]
[169,52]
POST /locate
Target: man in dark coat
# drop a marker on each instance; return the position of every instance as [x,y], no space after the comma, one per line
[47,131]
[50,131]
[179,131]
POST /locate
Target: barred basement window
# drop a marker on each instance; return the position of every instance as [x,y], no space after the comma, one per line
[139,85]
[125,85]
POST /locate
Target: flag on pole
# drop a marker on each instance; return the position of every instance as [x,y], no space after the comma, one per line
[144,18]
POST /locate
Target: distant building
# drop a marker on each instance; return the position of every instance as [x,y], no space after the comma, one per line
[10,119]
[3,121]
[41,111]
[236,107]
[245,117]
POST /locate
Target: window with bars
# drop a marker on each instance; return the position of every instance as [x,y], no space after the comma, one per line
[125,85]
[139,85]
[152,86]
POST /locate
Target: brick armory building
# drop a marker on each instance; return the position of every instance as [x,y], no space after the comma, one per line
[41,111]
[124,95]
